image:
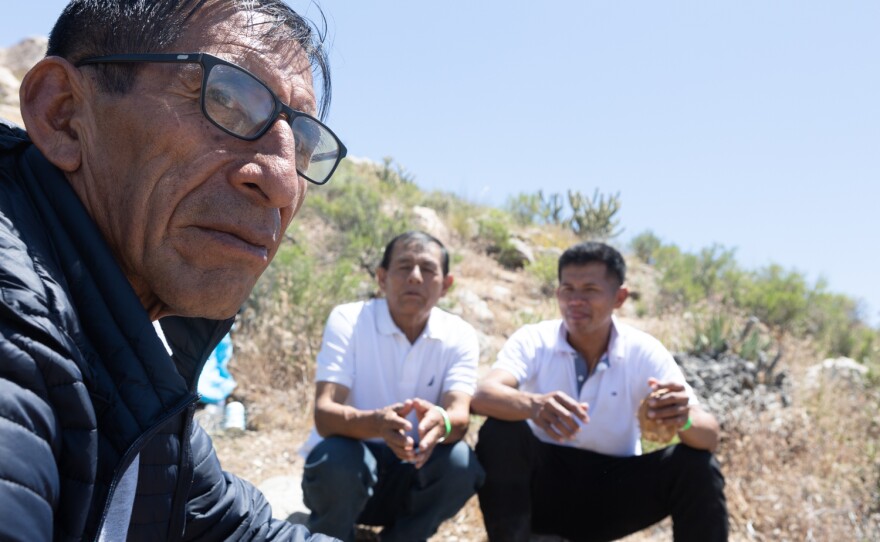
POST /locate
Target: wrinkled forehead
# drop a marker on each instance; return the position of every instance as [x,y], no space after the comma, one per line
[260,43]
[223,24]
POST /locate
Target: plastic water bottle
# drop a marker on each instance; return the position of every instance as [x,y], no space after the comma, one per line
[234,419]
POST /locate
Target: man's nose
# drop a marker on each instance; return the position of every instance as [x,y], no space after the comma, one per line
[577,297]
[415,276]
[270,174]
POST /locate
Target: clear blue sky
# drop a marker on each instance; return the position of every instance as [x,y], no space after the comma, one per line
[751,124]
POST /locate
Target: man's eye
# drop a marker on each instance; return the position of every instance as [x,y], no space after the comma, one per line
[220,97]
[222,102]
[227,110]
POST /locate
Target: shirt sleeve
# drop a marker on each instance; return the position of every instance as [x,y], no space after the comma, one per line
[335,362]
[462,373]
[517,356]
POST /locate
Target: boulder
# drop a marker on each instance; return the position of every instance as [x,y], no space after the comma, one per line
[23,55]
[838,369]
[474,305]
[427,220]
[516,254]
[9,105]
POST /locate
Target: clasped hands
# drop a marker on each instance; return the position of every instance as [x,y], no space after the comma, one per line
[394,429]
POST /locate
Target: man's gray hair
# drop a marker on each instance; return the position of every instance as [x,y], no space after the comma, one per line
[89,28]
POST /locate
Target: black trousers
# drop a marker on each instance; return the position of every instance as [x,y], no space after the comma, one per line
[532,486]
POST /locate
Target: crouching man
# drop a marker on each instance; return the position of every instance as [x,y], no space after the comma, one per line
[561,446]
[394,383]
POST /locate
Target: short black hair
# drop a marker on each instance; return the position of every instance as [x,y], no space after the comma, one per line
[419,237]
[89,28]
[591,251]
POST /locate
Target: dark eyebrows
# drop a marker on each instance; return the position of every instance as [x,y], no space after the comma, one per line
[425,263]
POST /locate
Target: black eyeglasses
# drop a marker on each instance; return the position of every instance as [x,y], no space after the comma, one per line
[241,105]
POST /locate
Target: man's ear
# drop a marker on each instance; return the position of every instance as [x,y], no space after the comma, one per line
[51,98]
[620,297]
[447,283]
[381,273]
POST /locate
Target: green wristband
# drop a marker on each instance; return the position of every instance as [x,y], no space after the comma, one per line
[686,426]
[446,421]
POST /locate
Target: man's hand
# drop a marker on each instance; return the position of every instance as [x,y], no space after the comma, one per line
[393,428]
[670,409]
[558,414]
[432,427]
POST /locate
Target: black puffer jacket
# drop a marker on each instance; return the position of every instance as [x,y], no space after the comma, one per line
[86,385]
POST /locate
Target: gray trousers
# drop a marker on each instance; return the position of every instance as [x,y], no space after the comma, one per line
[348,482]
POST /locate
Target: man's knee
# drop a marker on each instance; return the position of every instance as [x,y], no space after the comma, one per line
[697,466]
[456,466]
[340,462]
[497,437]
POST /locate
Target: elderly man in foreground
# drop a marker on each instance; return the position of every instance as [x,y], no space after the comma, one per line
[168,146]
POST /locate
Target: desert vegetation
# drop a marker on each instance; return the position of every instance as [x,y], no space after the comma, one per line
[799,443]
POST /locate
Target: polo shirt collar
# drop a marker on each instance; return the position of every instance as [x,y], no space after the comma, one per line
[386,326]
[616,346]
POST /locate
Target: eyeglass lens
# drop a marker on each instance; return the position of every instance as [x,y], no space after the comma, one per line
[241,104]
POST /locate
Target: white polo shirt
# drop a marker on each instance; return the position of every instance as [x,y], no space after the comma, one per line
[541,359]
[365,351]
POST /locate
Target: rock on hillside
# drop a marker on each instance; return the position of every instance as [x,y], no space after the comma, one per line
[15,61]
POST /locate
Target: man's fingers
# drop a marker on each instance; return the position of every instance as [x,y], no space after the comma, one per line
[572,406]
[401,445]
[403,409]
[394,419]
[553,431]
[670,414]
[562,418]
[558,423]
[421,406]
[426,424]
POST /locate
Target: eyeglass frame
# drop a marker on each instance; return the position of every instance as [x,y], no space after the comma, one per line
[207,61]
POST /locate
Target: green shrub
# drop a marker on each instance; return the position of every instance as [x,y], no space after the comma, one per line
[711,335]
[645,246]
[524,208]
[493,230]
[544,269]
[356,212]
[777,297]
[687,279]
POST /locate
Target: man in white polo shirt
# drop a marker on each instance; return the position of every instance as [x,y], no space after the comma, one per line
[395,378]
[561,446]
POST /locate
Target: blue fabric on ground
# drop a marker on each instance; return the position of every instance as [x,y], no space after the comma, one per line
[216,382]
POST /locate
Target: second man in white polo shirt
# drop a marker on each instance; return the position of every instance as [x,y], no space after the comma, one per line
[394,378]
[561,446]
